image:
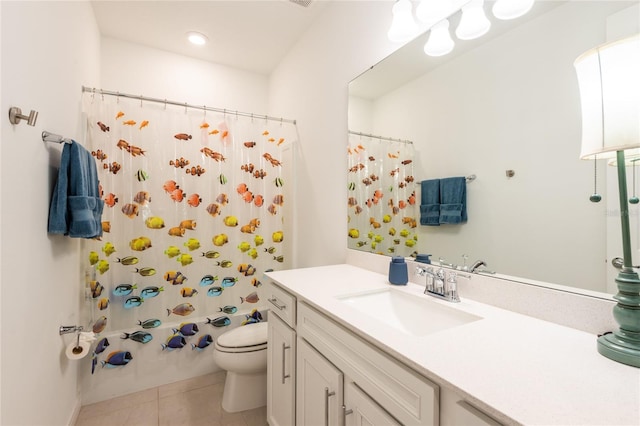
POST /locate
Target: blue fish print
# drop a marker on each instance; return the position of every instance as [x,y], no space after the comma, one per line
[203,342]
[94,362]
[175,341]
[133,302]
[124,289]
[151,291]
[208,280]
[150,323]
[250,320]
[101,346]
[116,359]
[255,314]
[187,329]
[228,282]
[214,291]
[219,322]
[228,309]
[138,336]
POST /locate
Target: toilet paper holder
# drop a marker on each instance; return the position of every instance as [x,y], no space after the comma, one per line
[66,329]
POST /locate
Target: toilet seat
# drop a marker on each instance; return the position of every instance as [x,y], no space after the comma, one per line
[247,338]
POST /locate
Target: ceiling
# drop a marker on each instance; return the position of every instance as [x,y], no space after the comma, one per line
[252,35]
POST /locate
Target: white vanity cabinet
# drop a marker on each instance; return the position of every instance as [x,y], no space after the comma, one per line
[281,358]
[319,387]
[360,410]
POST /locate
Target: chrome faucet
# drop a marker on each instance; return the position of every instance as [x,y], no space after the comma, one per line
[477,264]
[438,284]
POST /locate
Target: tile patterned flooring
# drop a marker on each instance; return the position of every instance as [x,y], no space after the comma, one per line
[191,402]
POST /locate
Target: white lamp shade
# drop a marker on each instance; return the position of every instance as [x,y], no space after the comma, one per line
[511,9]
[440,42]
[609,81]
[474,22]
[403,27]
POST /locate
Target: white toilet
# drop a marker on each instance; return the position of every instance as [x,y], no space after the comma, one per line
[243,353]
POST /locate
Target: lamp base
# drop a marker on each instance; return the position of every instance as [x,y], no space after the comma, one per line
[623,345]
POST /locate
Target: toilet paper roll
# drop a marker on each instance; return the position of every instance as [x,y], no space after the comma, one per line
[78,352]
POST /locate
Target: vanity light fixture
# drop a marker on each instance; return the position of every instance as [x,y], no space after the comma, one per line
[473,22]
[511,9]
[197,38]
[403,27]
[430,12]
[440,42]
[610,101]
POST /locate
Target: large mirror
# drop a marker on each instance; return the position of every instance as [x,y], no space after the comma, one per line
[506,109]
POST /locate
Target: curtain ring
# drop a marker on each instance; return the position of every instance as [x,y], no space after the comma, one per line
[140,101]
[165,104]
[102,95]
[117,97]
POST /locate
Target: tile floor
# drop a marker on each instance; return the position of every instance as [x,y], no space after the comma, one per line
[191,402]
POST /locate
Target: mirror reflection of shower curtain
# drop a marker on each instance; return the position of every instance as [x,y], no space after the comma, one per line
[381,196]
[196,210]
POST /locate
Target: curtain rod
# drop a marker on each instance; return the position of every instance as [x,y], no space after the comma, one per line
[141,98]
[380,137]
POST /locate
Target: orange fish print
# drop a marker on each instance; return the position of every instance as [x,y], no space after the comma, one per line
[259,174]
[392,155]
[179,162]
[214,132]
[119,114]
[247,167]
[247,196]
[103,126]
[130,210]
[113,167]
[280,141]
[405,162]
[135,150]
[129,122]
[177,195]
[182,136]
[176,231]
[188,224]
[204,125]
[170,186]
[265,133]
[224,134]
[402,204]
[249,144]
[122,144]
[111,199]
[255,222]
[271,140]
[242,188]
[195,170]
[272,209]
[99,154]
[258,200]
[194,200]
[144,124]
[106,226]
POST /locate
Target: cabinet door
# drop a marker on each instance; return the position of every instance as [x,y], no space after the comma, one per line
[281,373]
[318,388]
[360,410]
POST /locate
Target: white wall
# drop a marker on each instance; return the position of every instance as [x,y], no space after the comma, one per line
[311,83]
[49,50]
[512,103]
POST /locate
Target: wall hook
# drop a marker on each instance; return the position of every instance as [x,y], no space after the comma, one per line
[15,115]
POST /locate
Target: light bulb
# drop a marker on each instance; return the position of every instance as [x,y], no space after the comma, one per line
[474,22]
[440,42]
[511,9]
[196,38]
[433,11]
[403,27]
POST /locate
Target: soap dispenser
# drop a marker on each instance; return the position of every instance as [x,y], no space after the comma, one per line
[423,258]
[398,273]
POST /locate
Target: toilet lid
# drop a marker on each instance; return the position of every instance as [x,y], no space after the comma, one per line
[244,336]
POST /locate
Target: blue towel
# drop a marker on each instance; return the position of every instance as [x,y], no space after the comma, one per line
[430,202]
[453,200]
[76,207]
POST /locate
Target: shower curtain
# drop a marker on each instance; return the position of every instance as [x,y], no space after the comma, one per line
[196,210]
[381,196]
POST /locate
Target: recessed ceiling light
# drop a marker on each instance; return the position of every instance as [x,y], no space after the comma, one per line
[196,38]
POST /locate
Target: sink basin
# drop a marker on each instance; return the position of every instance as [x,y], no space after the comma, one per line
[410,314]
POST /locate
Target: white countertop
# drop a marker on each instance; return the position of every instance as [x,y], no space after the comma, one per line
[514,367]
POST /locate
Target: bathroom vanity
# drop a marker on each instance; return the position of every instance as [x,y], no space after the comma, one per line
[346,347]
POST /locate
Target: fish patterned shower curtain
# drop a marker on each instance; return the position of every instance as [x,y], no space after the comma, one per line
[196,210]
[381,196]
